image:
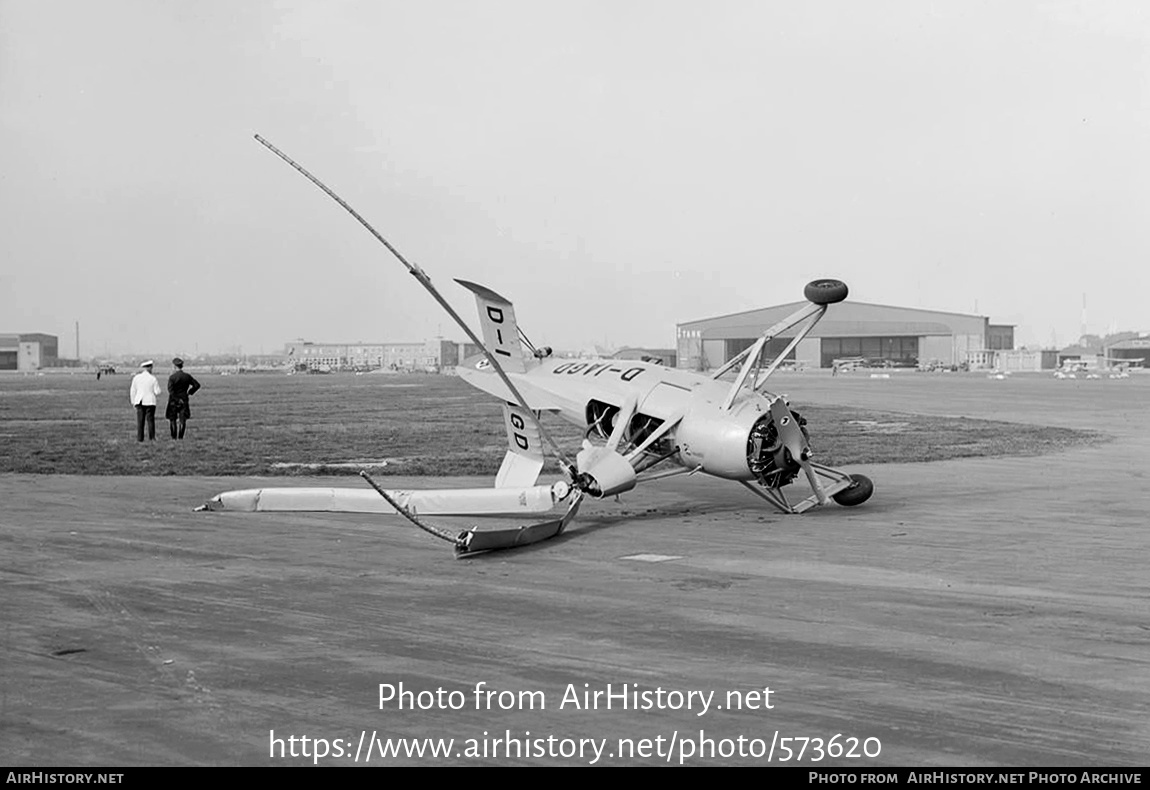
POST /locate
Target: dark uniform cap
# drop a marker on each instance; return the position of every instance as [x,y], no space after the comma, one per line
[178,362]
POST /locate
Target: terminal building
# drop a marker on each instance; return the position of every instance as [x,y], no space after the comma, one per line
[429,355]
[879,334]
[29,351]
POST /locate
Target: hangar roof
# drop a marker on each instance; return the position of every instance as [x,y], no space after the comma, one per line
[1135,342]
[846,319]
[643,350]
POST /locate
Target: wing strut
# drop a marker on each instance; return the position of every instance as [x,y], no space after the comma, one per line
[455,540]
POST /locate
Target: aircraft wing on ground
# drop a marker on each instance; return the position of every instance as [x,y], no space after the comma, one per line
[449,502]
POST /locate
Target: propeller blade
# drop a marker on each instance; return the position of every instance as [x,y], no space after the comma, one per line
[790,434]
[795,443]
[425,281]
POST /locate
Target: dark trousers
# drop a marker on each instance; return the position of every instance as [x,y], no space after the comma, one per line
[145,414]
[178,426]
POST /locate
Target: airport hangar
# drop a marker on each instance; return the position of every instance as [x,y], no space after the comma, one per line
[28,351]
[900,336]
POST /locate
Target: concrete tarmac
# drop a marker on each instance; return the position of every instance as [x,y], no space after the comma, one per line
[975,613]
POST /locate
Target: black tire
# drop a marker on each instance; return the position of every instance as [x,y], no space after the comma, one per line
[825,291]
[859,491]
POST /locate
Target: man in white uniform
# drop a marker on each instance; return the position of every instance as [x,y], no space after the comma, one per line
[143,394]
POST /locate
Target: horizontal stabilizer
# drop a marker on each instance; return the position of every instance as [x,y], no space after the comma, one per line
[444,502]
[477,372]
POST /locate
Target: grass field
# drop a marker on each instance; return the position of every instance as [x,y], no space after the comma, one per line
[418,424]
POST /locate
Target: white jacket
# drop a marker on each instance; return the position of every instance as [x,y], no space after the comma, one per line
[145,388]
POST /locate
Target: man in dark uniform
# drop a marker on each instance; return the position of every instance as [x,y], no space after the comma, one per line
[181,387]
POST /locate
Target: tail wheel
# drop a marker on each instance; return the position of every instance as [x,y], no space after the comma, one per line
[825,291]
[858,492]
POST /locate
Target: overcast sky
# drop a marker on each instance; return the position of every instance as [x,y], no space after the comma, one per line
[613,168]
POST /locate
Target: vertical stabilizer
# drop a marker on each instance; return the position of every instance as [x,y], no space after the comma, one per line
[500,332]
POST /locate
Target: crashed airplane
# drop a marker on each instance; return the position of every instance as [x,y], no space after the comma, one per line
[641,422]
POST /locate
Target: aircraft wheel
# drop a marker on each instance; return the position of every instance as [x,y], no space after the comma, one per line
[825,291]
[859,491]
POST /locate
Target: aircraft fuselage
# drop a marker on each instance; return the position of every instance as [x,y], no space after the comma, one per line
[708,436]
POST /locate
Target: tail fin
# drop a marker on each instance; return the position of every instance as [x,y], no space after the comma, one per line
[500,332]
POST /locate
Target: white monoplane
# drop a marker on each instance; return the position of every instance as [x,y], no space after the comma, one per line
[636,416]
